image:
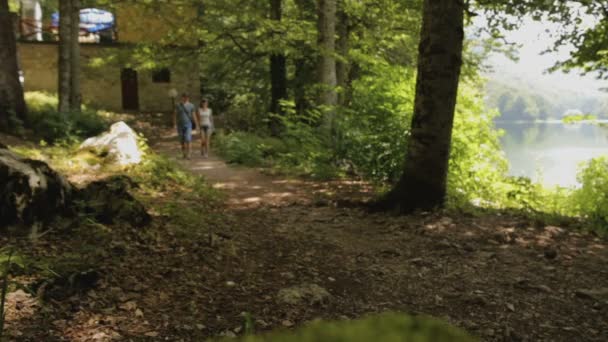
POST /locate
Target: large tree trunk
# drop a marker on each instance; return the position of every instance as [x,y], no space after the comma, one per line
[11,92]
[327,61]
[278,75]
[424,180]
[75,97]
[65,55]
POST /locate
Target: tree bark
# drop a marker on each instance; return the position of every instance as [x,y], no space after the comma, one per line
[327,62]
[342,48]
[75,96]
[65,55]
[11,91]
[305,65]
[278,75]
[424,180]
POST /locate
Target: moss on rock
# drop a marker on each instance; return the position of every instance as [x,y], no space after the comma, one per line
[388,327]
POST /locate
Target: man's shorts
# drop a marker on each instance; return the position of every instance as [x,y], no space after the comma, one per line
[185,133]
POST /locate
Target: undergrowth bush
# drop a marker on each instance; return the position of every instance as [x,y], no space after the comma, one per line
[591,199]
[300,150]
[248,148]
[371,141]
[53,126]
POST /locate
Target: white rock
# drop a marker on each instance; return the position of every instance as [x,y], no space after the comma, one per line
[120,143]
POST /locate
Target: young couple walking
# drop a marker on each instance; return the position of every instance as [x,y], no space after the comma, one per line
[186,118]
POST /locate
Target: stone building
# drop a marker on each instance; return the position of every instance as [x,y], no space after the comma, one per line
[110,77]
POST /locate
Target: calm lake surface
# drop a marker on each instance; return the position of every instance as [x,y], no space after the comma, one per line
[551,149]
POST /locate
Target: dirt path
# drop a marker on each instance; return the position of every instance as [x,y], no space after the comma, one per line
[502,278]
[251,188]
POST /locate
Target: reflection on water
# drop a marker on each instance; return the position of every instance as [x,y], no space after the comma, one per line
[552,148]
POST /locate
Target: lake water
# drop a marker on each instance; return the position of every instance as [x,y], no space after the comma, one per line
[551,149]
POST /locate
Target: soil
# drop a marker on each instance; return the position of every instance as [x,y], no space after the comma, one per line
[499,276]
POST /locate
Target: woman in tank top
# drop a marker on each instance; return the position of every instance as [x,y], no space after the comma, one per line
[206,121]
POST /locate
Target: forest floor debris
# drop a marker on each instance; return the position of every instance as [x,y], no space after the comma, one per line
[196,271]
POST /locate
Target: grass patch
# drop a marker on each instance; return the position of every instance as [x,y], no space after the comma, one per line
[48,124]
[298,153]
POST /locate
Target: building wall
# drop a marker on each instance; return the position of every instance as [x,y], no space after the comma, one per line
[101,84]
[153,23]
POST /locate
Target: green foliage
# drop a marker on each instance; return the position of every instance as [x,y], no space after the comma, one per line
[373,133]
[477,164]
[248,148]
[66,157]
[190,195]
[53,126]
[591,199]
[300,150]
[574,118]
[388,327]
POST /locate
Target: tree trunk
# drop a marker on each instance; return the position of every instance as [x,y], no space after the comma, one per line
[424,180]
[342,48]
[278,75]
[11,91]
[65,53]
[75,97]
[305,65]
[327,61]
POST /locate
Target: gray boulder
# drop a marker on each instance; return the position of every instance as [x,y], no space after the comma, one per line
[108,201]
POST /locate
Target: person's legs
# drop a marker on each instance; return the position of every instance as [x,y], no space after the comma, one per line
[205,141]
[185,137]
[182,139]
[187,140]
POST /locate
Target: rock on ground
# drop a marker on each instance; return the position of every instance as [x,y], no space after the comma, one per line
[120,143]
[31,193]
[303,294]
[109,201]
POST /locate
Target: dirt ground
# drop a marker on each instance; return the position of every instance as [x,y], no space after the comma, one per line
[500,277]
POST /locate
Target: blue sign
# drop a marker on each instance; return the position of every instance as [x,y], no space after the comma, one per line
[92,20]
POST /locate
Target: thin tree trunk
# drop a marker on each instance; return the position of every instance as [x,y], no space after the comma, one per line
[304,79]
[305,67]
[327,62]
[342,48]
[65,53]
[11,91]
[278,75]
[424,180]
[75,96]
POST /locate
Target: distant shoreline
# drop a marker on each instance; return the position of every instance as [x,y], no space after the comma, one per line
[550,121]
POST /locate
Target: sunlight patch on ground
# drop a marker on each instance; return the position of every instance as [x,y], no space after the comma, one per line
[226,185]
[19,306]
[205,167]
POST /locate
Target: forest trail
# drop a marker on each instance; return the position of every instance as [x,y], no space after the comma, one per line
[251,188]
[501,277]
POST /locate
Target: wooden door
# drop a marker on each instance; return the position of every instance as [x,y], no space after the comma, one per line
[130,92]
